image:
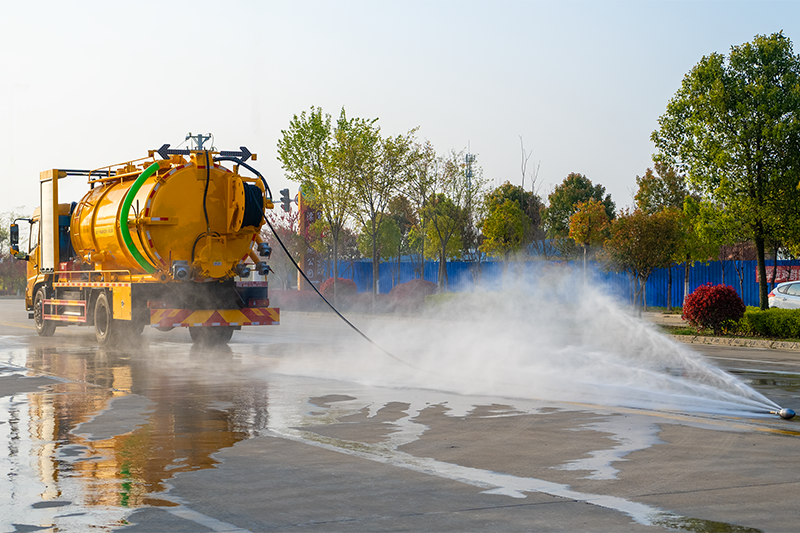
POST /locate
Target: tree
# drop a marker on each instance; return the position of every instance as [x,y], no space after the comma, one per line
[380,176]
[446,218]
[639,243]
[403,215]
[314,155]
[448,209]
[286,226]
[660,189]
[530,204]
[418,187]
[504,230]
[666,189]
[387,243]
[699,240]
[13,272]
[588,226]
[734,128]
[563,201]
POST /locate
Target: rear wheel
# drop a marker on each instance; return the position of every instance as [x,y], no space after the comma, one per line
[210,336]
[45,328]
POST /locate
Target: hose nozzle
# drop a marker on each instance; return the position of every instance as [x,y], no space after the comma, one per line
[786,414]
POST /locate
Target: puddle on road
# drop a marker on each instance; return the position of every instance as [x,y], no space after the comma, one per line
[302,425]
[89,450]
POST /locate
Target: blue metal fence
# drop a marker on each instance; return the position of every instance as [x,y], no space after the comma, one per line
[741,275]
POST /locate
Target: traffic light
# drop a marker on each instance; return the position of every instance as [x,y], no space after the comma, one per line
[286,203]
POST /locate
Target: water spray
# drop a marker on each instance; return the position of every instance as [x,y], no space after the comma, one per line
[707,388]
[786,414]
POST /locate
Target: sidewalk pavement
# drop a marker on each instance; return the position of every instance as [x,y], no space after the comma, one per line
[665,319]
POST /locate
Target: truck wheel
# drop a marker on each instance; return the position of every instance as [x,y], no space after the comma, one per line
[105,327]
[45,328]
[210,336]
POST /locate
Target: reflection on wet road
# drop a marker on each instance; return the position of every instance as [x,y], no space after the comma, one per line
[168,416]
[88,434]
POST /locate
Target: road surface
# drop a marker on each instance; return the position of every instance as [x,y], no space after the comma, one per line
[305,427]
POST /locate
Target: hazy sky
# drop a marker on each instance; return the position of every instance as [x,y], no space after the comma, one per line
[89,84]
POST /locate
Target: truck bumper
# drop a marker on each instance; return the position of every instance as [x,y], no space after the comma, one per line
[186,318]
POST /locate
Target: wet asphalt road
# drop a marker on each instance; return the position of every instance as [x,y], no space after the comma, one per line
[166,436]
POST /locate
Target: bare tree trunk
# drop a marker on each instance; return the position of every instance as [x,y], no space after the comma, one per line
[774,267]
[376,266]
[644,294]
[442,282]
[335,266]
[669,288]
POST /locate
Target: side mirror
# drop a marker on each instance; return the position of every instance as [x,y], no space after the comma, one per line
[13,235]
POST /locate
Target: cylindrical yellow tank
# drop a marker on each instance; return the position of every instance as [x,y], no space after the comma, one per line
[206,216]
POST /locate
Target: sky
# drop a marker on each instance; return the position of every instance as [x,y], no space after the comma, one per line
[582,84]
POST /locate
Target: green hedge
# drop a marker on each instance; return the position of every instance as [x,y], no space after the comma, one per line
[781,323]
[435,300]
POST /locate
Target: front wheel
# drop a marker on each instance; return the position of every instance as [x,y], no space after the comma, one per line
[45,328]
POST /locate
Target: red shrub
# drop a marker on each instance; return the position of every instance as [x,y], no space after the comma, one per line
[410,296]
[711,306]
[294,300]
[344,287]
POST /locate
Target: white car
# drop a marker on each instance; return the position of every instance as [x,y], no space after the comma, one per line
[785,295]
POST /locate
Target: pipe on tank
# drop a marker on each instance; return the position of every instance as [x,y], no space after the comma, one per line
[123,218]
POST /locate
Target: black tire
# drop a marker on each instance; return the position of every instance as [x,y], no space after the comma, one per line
[45,328]
[210,336]
[106,328]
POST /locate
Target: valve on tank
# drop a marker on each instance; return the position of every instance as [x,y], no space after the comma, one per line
[242,270]
[264,250]
[180,270]
[262,268]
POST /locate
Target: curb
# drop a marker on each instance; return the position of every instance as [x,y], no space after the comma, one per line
[743,343]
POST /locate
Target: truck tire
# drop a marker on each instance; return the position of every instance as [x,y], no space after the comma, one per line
[45,328]
[106,329]
[210,336]
[109,331]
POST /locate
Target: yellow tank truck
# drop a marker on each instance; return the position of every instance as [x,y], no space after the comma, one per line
[165,241]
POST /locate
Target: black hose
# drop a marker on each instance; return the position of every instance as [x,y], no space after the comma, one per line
[269,195]
[376,345]
[205,193]
[251,169]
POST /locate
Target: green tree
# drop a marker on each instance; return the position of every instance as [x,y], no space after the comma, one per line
[380,176]
[530,204]
[660,189]
[286,226]
[734,128]
[419,186]
[322,160]
[471,237]
[405,217]
[588,226]
[445,220]
[504,230]
[13,271]
[639,243]
[387,243]
[563,201]
[449,207]
[667,189]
